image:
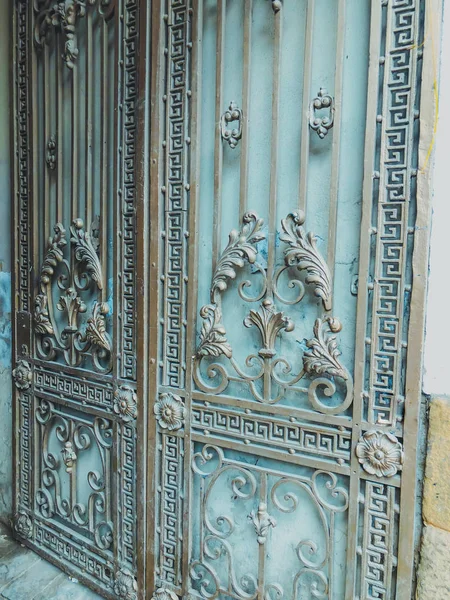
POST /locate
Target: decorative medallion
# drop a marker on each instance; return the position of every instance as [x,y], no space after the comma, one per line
[170,411]
[51,153]
[380,453]
[232,115]
[125,585]
[23,525]
[321,124]
[22,375]
[164,594]
[125,402]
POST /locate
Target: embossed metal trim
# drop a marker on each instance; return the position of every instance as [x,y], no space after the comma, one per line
[321,124]
[234,134]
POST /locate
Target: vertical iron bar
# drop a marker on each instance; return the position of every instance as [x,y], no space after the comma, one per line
[245,107]
[278,20]
[335,167]
[361,313]
[304,150]
[43,143]
[104,128]
[218,147]
[74,204]
[59,134]
[89,122]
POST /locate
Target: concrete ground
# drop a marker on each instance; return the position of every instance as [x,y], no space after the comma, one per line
[26,576]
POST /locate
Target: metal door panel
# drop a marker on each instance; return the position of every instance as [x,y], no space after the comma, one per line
[285,190]
[75,336]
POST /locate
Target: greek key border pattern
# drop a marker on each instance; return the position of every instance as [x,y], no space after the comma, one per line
[316,440]
[175,192]
[169,530]
[378,550]
[91,392]
[25,450]
[67,550]
[394,197]
[127,58]
[23,154]
[127,496]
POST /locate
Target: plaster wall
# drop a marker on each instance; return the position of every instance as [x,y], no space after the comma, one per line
[5,266]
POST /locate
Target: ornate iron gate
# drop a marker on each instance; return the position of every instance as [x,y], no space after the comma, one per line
[75,334]
[272,230]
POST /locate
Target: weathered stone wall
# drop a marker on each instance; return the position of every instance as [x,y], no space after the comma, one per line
[434,571]
[433,576]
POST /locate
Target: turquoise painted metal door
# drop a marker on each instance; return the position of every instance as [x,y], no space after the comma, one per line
[284,164]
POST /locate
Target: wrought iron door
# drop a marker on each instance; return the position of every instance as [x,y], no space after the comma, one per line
[75,81]
[284,176]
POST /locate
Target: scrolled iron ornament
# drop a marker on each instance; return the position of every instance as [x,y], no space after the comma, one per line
[241,247]
[23,525]
[304,254]
[125,585]
[75,337]
[22,375]
[269,376]
[380,453]
[65,15]
[170,411]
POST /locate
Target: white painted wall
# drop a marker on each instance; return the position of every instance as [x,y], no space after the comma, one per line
[437,351]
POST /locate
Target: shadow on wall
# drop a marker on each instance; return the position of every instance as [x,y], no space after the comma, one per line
[5,398]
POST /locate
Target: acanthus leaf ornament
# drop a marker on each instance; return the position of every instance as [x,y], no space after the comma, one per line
[22,375]
[23,525]
[164,594]
[323,352]
[86,251]
[169,411]
[82,275]
[125,402]
[64,15]
[304,254]
[262,522]
[125,585]
[270,377]
[240,247]
[270,323]
[213,339]
[380,453]
[96,326]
